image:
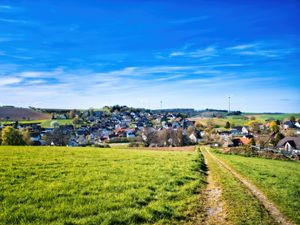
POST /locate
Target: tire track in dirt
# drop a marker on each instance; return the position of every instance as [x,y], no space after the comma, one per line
[215,207]
[270,207]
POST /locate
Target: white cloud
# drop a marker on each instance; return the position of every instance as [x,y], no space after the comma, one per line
[259,49]
[177,86]
[198,53]
[259,53]
[242,47]
[9,80]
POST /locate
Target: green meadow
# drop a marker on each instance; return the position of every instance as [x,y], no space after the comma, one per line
[279,180]
[60,185]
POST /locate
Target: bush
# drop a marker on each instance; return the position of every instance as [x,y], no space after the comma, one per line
[102,145]
[11,136]
[136,144]
[120,140]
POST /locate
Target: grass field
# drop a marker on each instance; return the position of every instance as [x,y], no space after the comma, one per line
[241,207]
[60,185]
[245,118]
[47,123]
[43,123]
[279,180]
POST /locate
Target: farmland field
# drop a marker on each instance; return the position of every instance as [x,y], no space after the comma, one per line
[243,119]
[60,185]
[279,180]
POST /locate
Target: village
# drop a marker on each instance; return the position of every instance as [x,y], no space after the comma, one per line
[160,128]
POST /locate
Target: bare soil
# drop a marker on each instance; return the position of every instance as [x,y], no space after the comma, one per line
[215,212]
[13,113]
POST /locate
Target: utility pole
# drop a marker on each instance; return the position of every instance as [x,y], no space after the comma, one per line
[229,104]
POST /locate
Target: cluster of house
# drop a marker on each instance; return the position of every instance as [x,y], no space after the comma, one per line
[99,127]
[154,127]
[242,135]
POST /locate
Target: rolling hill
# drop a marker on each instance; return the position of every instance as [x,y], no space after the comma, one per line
[14,113]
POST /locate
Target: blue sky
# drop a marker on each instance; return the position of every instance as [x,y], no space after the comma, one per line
[194,54]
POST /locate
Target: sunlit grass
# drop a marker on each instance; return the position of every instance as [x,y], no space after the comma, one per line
[60,185]
[279,180]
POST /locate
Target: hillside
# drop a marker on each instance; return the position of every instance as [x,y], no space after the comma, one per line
[13,113]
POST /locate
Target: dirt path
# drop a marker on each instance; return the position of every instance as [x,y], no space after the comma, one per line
[214,210]
[270,207]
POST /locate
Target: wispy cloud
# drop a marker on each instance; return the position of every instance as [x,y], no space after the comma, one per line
[257,52]
[142,86]
[259,49]
[197,53]
[4,81]
[5,20]
[242,47]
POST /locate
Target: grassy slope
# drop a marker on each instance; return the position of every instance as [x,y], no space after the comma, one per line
[279,180]
[58,185]
[281,116]
[44,123]
[241,206]
[47,123]
[240,121]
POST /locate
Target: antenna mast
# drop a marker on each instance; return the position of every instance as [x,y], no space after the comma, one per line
[229,104]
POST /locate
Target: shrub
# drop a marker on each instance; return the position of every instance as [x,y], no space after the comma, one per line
[11,136]
[102,145]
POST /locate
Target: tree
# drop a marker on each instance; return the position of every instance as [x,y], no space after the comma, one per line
[91,112]
[274,127]
[190,130]
[54,124]
[277,138]
[227,125]
[292,119]
[72,114]
[11,136]
[290,133]
[199,125]
[26,136]
[210,124]
[77,120]
[251,142]
[58,137]
[254,126]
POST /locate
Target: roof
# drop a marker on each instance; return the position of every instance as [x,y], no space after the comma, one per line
[245,140]
[294,140]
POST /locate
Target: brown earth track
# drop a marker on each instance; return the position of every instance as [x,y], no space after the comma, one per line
[215,212]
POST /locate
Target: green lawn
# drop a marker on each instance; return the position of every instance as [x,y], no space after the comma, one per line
[60,185]
[47,123]
[279,180]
